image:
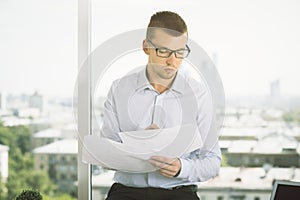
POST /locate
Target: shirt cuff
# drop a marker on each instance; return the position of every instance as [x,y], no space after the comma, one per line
[185,169]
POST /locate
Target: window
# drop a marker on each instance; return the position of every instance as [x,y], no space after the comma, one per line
[73,168]
[63,168]
[39,58]
[63,159]
[227,49]
[63,177]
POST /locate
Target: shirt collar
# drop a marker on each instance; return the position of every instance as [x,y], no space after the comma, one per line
[178,84]
[143,83]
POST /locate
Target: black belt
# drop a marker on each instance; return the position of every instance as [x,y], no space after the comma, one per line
[192,188]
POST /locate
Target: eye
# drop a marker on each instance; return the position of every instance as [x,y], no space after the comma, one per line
[180,52]
[163,51]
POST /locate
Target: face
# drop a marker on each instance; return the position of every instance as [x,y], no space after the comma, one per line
[164,68]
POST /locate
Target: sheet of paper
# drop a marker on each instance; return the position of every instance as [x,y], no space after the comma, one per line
[139,146]
[112,155]
[155,139]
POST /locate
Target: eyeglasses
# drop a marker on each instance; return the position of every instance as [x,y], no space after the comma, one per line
[166,53]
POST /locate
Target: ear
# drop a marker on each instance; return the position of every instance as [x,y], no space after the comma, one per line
[146,47]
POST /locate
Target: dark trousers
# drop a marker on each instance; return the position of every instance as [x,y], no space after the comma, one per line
[122,192]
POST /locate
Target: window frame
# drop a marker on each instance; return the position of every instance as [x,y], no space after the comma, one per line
[84,96]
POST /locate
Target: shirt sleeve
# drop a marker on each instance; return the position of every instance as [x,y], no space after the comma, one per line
[110,127]
[204,163]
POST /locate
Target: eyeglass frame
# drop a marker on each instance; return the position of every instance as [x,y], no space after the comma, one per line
[171,51]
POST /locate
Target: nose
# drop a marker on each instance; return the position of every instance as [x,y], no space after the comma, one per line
[171,59]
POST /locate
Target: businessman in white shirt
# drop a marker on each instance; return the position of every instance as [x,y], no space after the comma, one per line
[160,96]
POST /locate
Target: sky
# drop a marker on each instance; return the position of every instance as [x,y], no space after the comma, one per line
[255,42]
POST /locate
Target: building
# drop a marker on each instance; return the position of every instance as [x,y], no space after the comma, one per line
[4,162]
[232,183]
[235,183]
[275,89]
[36,101]
[59,160]
[2,101]
[51,135]
[276,149]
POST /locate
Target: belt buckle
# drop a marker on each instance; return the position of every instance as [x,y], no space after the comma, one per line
[177,187]
[193,188]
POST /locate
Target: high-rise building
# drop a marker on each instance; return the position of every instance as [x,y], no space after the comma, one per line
[2,101]
[275,88]
[36,101]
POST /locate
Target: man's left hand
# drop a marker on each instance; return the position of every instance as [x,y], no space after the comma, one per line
[168,167]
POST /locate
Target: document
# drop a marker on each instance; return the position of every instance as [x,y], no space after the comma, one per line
[138,146]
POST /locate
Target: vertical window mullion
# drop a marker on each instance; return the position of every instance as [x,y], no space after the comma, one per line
[84,99]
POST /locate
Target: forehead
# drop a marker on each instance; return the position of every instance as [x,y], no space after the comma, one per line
[169,39]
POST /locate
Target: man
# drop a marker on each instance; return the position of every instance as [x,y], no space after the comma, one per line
[156,97]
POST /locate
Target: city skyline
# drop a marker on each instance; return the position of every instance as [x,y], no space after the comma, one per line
[255,42]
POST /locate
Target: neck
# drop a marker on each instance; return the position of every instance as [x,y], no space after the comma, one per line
[159,88]
[159,84]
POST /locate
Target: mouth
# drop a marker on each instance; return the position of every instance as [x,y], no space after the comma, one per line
[169,70]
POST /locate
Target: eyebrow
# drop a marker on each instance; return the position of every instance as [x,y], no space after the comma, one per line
[156,46]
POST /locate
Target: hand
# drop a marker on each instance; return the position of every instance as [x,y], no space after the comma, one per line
[152,126]
[168,167]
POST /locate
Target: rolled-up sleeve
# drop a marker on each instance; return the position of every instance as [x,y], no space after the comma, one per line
[204,163]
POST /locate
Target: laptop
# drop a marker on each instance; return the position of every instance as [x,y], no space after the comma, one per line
[285,190]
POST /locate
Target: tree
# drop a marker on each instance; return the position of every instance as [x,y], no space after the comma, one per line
[29,179]
[59,197]
[2,189]
[21,171]
[23,134]
[292,116]
[6,136]
[29,195]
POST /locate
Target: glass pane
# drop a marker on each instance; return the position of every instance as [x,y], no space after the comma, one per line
[37,77]
[255,48]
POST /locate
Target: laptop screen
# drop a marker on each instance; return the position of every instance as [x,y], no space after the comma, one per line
[286,190]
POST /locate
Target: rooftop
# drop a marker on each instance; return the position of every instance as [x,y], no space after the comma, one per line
[48,133]
[229,177]
[66,146]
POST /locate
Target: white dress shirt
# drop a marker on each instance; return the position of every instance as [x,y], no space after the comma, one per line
[133,104]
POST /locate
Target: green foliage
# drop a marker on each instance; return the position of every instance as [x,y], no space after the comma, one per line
[6,136]
[29,195]
[224,161]
[292,116]
[18,162]
[2,189]
[59,197]
[21,172]
[23,134]
[39,181]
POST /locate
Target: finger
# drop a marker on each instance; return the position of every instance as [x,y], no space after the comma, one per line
[163,159]
[159,164]
[170,170]
[167,173]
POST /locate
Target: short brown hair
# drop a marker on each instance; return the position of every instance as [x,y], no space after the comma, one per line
[168,21]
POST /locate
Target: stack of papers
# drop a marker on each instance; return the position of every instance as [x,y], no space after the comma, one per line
[138,146]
